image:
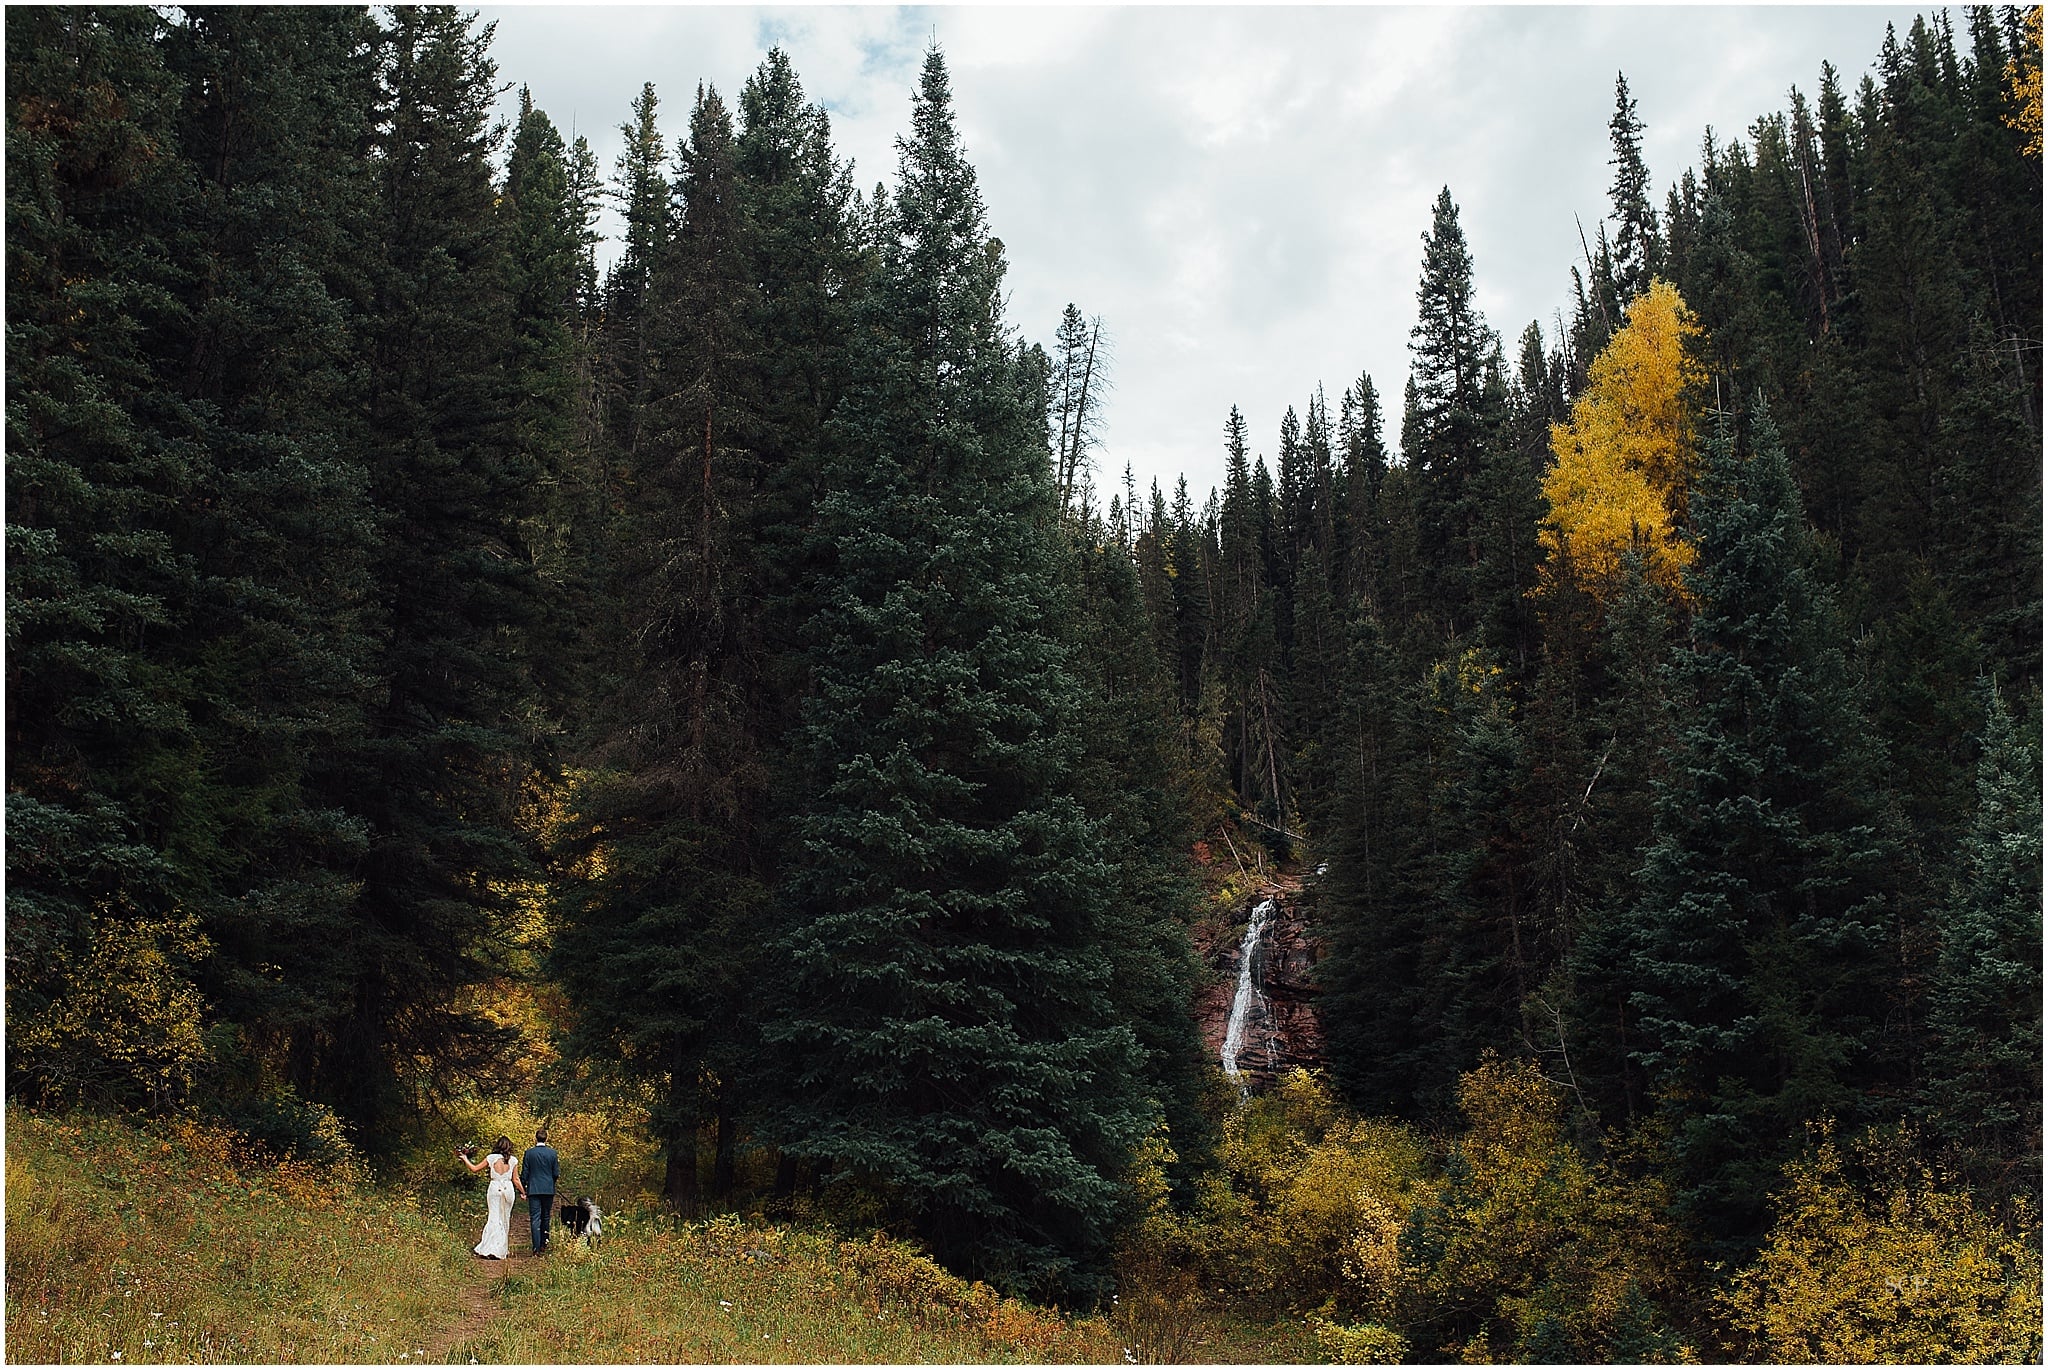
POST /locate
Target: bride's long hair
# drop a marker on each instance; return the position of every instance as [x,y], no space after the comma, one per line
[503,1146]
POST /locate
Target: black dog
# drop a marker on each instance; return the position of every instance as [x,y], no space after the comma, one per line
[583,1219]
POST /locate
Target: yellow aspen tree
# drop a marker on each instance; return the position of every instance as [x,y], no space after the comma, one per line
[1625,461]
[2023,79]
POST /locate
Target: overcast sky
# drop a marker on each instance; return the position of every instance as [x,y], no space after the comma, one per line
[1238,192]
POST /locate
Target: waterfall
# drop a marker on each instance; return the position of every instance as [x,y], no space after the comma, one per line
[1249,1001]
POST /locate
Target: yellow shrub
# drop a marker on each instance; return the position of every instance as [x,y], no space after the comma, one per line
[1367,1344]
[1309,1212]
[1907,1269]
[1530,1247]
[1156,1280]
[915,1285]
[129,1019]
[222,1156]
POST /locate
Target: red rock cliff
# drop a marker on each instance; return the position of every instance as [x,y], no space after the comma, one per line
[1284,1032]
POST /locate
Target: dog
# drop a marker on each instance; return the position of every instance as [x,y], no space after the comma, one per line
[584,1220]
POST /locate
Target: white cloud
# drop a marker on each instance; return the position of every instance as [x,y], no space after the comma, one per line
[1239,192]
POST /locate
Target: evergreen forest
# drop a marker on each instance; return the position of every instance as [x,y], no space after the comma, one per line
[712,694]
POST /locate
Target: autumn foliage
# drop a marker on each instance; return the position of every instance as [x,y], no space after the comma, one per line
[1530,1249]
[2024,85]
[1899,1266]
[1309,1209]
[1625,461]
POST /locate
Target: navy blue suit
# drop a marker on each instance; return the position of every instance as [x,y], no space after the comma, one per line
[539,1169]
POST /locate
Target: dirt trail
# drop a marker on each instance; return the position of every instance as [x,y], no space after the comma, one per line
[474,1306]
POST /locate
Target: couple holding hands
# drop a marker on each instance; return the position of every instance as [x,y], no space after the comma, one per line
[534,1174]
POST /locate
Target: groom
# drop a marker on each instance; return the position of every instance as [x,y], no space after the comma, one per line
[538,1169]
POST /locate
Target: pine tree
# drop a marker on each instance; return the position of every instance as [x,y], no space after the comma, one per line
[1451,419]
[1135,779]
[1637,250]
[1761,913]
[546,215]
[1247,635]
[1923,658]
[945,1021]
[184,474]
[1312,631]
[1608,769]
[800,212]
[277,110]
[101,790]
[1149,538]
[1431,946]
[1076,401]
[1983,1077]
[1262,696]
[454,737]
[545,240]
[641,191]
[1191,604]
[1384,1051]
[1360,534]
[660,946]
[1292,499]
[1508,497]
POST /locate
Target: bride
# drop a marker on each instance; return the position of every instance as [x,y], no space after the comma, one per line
[504,1175]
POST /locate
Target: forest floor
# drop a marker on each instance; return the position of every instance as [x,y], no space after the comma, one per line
[166,1245]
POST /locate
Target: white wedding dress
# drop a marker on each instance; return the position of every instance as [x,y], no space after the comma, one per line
[498,1225]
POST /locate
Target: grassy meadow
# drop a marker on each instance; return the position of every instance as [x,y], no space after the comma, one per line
[176,1243]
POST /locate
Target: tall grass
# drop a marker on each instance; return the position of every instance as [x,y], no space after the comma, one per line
[175,1244]
[729,1290]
